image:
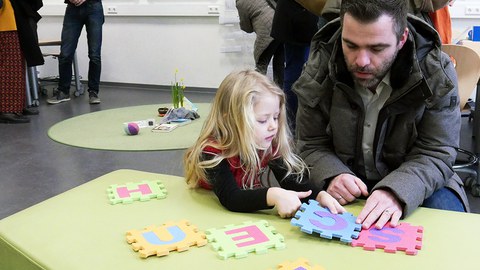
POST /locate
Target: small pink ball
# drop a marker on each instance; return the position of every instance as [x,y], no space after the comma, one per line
[132,128]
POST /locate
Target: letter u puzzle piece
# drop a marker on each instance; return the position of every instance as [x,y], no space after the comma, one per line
[299,264]
[140,191]
[161,240]
[313,218]
[403,237]
[239,240]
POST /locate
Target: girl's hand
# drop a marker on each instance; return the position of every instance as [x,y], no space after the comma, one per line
[326,200]
[287,202]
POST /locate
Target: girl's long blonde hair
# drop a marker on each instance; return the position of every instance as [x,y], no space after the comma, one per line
[230,128]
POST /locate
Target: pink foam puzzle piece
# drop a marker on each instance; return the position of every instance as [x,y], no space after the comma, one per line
[404,237]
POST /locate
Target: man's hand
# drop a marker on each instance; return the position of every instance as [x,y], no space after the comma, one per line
[77,2]
[382,206]
[346,188]
[287,202]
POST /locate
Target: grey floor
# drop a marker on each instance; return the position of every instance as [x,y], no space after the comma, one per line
[34,168]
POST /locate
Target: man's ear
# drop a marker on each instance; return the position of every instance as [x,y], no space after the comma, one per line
[403,38]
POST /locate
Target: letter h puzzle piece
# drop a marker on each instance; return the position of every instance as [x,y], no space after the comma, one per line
[313,218]
[168,237]
[141,191]
[403,237]
[239,240]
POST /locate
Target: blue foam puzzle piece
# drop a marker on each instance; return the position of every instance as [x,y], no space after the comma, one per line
[313,218]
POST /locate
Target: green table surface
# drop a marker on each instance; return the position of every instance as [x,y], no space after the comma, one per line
[80,229]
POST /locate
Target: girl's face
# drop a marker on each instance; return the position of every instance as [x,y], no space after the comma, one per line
[266,111]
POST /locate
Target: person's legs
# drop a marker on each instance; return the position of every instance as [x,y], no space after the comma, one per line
[444,199]
[12,79]
[94,25]
[72,28]
[295,57]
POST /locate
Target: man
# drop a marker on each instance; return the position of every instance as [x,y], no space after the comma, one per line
[378,113]
[77,14]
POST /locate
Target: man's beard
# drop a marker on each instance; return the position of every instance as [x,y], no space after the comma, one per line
[378,74]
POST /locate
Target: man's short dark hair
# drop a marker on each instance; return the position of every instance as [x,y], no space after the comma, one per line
[368,11]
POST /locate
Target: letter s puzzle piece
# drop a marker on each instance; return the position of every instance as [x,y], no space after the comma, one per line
[239,240]
[141,191]
[299,264]
[168,237]
[403,237]
[313,218]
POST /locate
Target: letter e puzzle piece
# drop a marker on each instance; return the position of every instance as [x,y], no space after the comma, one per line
[403,237]
[239,240]
[313,218]
[161,240]
[299,264]
[141,191]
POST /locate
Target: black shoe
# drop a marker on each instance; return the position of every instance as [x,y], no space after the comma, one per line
[30,111]
[13,118]
[93,98]
[59,97]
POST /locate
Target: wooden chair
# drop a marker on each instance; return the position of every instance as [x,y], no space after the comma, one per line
[467,66]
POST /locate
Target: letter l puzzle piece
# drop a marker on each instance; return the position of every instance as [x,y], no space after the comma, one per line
[313,218]
[239,240]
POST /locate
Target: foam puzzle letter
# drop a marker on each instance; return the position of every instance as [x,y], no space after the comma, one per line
[313,218]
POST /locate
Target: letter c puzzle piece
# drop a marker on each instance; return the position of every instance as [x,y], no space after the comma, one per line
[403,237]
[239,240]
[313,218]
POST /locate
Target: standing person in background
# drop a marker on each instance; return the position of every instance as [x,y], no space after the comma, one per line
[294,26]
[257,16]
[77,14]
[18,44]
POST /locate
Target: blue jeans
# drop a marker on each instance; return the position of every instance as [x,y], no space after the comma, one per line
[444,199]
[91,15]
[295,58]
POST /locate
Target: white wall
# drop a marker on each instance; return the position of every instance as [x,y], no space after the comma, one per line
[146,49]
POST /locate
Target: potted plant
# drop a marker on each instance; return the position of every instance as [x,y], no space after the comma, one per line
[177,92]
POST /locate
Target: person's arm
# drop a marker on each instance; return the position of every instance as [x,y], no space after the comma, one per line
[230,195]
[291,183]
[315,144]
[236,199]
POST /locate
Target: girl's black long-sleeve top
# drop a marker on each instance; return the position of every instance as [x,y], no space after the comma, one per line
[237,199]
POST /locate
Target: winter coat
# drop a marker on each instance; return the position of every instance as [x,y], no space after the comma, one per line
[293,24]
[26,18]
[257,16]
[418,127]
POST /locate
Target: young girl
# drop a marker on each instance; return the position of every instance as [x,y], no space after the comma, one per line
[245,133]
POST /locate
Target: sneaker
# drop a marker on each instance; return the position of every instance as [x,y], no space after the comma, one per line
[93,98]
[59,97]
